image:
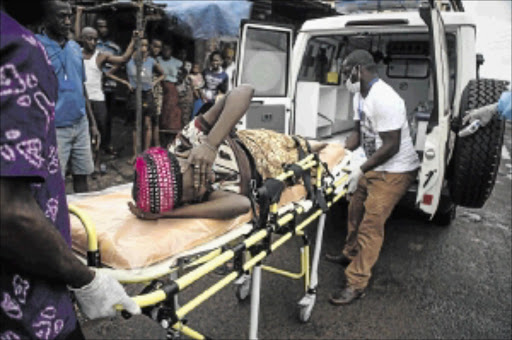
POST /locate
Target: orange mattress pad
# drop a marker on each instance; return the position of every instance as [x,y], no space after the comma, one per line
[126,242]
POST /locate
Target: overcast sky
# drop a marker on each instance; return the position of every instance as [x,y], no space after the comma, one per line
[493,40]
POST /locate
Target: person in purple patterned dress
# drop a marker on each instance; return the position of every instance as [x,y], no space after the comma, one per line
[37,265]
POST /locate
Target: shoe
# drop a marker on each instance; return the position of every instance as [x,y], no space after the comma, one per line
[338,258]
[346,296]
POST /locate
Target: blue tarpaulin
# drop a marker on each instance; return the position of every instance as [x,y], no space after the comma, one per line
[208,19]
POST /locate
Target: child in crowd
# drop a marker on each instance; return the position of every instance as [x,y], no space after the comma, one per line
[197,82]
[185,95]
[216,80]
[170,119]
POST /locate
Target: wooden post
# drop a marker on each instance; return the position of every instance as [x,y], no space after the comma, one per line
[138,91]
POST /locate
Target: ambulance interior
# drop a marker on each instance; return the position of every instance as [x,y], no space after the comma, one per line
[324,105]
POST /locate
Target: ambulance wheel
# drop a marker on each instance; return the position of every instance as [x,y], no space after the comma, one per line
[476,158]
[305,312]
[244,290]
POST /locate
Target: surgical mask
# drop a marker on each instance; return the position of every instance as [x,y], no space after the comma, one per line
[353,87]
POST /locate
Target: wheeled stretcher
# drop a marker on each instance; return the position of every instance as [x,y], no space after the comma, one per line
[169,255]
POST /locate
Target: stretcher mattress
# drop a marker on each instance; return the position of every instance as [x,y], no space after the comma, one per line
[126,242]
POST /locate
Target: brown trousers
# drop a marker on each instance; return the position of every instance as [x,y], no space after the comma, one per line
[371,204]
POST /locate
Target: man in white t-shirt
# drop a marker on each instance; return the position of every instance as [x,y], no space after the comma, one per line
[379,183]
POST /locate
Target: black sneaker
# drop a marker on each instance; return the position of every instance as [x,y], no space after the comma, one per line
[346,296]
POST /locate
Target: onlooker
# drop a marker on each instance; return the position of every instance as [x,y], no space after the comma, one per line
[229,66]
[94,60]
[216,80]
[170,119]
[106,45]
[380,182]
[155,51]
[73,116]
[148,105]
[185,96]
[187,65]
[197,81]
[36,259]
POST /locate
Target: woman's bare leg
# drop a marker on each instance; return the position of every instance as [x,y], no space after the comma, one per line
[147,130]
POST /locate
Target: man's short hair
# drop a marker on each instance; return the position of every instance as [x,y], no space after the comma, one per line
[100,18]
[214,53]
[362,58]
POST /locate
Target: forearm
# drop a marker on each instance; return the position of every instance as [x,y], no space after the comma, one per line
[90,115]
[235,106]
[117,60]
[159,79]
[78,24]
[222,208]
[353,141]
[381,156]
[116,78]
[31,243]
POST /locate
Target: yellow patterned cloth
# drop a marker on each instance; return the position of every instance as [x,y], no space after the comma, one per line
[271,150]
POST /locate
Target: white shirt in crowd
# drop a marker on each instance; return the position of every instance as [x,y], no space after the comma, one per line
[93,76]
[383,110]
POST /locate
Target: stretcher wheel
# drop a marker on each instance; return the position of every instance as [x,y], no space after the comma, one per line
[243,289]
[306,307]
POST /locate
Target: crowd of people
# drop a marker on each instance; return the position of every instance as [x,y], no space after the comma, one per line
[173,91]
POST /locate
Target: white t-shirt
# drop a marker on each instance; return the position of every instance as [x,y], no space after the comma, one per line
[383,110]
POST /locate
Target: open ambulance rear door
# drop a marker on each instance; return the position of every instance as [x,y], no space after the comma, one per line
[432,173]
[264,61]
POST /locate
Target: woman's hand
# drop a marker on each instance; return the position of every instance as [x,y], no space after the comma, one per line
[201,159]
[141,214]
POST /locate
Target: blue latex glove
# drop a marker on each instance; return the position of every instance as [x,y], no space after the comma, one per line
[504,105]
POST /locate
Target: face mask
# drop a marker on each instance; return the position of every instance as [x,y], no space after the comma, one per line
[353,87]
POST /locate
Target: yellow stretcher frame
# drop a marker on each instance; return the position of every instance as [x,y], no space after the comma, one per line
[217,257]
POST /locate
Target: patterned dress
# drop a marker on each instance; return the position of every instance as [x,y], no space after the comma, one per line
[31,307]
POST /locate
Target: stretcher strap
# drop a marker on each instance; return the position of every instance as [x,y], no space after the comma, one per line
[268,194]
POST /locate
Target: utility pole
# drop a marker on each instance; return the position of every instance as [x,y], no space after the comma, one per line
[138,90]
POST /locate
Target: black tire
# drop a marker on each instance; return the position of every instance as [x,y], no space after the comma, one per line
[476,158]
[445,218]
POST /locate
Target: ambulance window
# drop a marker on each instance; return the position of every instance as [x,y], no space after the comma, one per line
[265,62]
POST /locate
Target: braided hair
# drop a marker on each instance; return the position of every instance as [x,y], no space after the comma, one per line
[158,183]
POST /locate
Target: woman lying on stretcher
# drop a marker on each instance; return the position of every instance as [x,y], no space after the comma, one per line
[206,171]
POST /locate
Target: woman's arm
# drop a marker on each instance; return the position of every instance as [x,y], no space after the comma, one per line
[111,74]
[221,205]
[223,116]
[160,70]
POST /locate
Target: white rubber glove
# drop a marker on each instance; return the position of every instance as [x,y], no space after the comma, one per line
[99,298]
[353,179]
[484,114]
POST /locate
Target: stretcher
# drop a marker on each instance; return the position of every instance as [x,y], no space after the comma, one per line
[169,255]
